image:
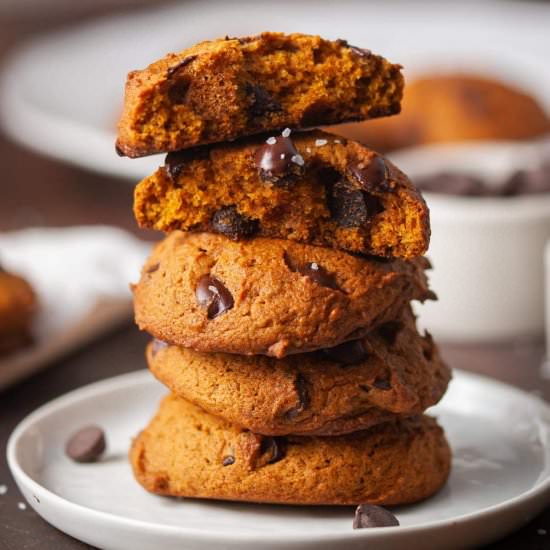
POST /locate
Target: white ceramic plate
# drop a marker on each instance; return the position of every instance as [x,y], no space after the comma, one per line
[61,94]
[500,479]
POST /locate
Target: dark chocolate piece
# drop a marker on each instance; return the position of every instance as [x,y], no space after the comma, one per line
[262,101]
[278,161]
[389,331]
[229,222]
[86,445]
[185,61]
[314,271]
[348,353]
[369,515]
[351,207]
[228,460]
[212,294]
[301,386]
[273,448]
[372,176]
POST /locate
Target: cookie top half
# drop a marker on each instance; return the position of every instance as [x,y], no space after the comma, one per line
[223,89]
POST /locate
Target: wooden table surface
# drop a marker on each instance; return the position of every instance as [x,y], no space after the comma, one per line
[35,191]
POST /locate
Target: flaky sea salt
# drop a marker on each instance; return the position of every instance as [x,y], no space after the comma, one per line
[3,489]
[271,140]
[336,141]
[320,142]
[21,506]
[283,155]
[286,132]
[297,159]
[308,149]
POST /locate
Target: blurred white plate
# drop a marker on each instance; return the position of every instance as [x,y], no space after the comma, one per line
[500,479]
[61,93]
[81,277]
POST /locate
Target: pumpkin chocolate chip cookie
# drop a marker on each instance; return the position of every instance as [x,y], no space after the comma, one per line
[393,370]
[227,88]
[189,453]
[311,187]
[268,296]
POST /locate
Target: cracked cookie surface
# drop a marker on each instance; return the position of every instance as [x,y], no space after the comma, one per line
[187,452]
[268,296]
[223,89]
[310,187]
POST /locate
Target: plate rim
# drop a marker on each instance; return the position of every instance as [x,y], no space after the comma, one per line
[142,377]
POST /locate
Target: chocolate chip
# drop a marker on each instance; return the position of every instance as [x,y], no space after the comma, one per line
[382,384]
[185,61]
[342,42]
[361,52]
[368,515]
[351,207]
[314,271]
[175,161]
[278,161]
[228,460]
[273,449]
[152,268]
[261,101]
[319,112]
[86,445]
[212,294]
[229,222]
[301,386]
[178,91]
[348,353]
[157,346]
[372,175]
[389,331]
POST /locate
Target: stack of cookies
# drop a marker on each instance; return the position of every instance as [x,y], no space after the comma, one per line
[279,301]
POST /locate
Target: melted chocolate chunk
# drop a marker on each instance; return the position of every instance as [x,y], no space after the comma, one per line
[178,92]
[301,386]
[185,61]
[314,271]
[278,161]
[351,207]
[229,222]
[369,515]
[86,445]
[372,175]
[361,52]
[175,161]
[389,331]
[262,101]
[348,353]
[228,460]
[273,448]
[382,384]
[158,345]
[212,294]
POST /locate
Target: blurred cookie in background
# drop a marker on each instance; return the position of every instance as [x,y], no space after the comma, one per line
[451,108]
[18,304]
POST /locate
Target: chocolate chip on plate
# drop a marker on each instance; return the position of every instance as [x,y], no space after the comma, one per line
[86,445]
[212,294]
[229,222]
[278,161]
[348,353]
[369,515]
